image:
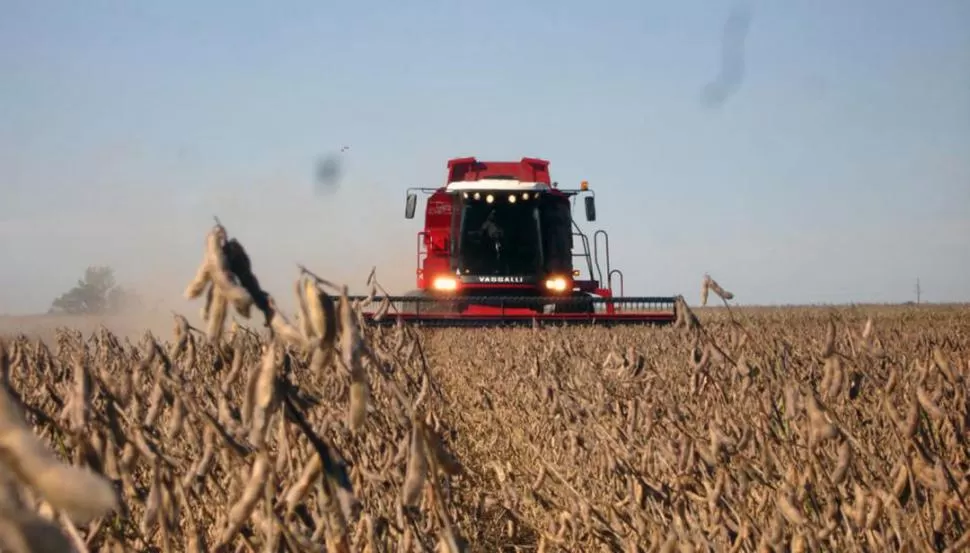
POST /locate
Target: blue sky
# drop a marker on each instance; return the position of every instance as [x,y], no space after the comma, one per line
[838,171]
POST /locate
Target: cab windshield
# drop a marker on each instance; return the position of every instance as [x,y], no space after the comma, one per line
[501,237]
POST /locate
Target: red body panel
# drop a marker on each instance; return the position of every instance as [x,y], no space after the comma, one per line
[436,238]
[467,169]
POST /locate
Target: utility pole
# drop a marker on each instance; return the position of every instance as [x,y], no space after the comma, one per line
[919,291]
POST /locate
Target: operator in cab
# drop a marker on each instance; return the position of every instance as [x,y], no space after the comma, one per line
[494,232]
[491,228]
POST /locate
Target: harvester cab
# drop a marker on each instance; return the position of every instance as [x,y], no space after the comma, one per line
[499,245]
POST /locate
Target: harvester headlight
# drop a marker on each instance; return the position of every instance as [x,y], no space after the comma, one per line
[489,198]
[445,283]
[525,195]
[511,198]
[556,284]
[478,196]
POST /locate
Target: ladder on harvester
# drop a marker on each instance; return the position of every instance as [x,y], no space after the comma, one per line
[593,260]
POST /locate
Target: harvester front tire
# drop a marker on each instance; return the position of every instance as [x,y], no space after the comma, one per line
[583,304]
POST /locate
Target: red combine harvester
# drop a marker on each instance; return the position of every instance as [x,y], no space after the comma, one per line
[498,248]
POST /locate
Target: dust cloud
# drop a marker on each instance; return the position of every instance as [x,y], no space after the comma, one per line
[155,241]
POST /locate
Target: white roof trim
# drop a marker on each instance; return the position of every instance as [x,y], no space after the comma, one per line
[497,184]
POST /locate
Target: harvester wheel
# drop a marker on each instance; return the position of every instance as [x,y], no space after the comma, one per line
[584,303]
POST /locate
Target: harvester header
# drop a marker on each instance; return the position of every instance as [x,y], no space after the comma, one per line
[500,246]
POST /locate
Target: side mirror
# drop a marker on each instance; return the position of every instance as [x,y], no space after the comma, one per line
[590,208]
[412,202]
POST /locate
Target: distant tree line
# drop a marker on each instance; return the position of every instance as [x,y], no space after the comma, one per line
[95,294]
